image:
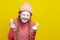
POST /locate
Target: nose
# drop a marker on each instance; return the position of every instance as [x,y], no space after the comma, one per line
[25,16]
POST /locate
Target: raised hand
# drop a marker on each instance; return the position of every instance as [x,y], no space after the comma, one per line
[35,27]
[12,25]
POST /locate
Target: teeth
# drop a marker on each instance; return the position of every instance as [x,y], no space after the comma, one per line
[24,19]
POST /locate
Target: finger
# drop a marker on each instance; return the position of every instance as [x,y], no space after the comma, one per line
[34,27]
[11,21]
[37,24]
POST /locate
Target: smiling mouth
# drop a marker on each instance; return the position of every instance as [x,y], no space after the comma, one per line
[24,19]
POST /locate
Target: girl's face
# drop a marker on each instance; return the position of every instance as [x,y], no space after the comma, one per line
[25,16]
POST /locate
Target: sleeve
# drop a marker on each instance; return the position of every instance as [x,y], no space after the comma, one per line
[11,34]
[33,33]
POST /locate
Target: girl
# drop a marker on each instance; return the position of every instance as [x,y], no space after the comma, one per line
[23,27]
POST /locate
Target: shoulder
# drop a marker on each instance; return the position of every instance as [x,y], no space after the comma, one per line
[32,22]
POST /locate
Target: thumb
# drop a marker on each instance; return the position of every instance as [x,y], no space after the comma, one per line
[37,24]
[35,27]
[11,21]
[12,24]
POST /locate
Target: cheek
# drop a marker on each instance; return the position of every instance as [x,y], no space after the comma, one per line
[28,17]
[21,16]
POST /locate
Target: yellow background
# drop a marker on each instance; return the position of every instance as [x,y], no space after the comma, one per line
[46,12]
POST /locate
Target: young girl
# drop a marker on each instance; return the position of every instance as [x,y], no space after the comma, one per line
[23,27]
